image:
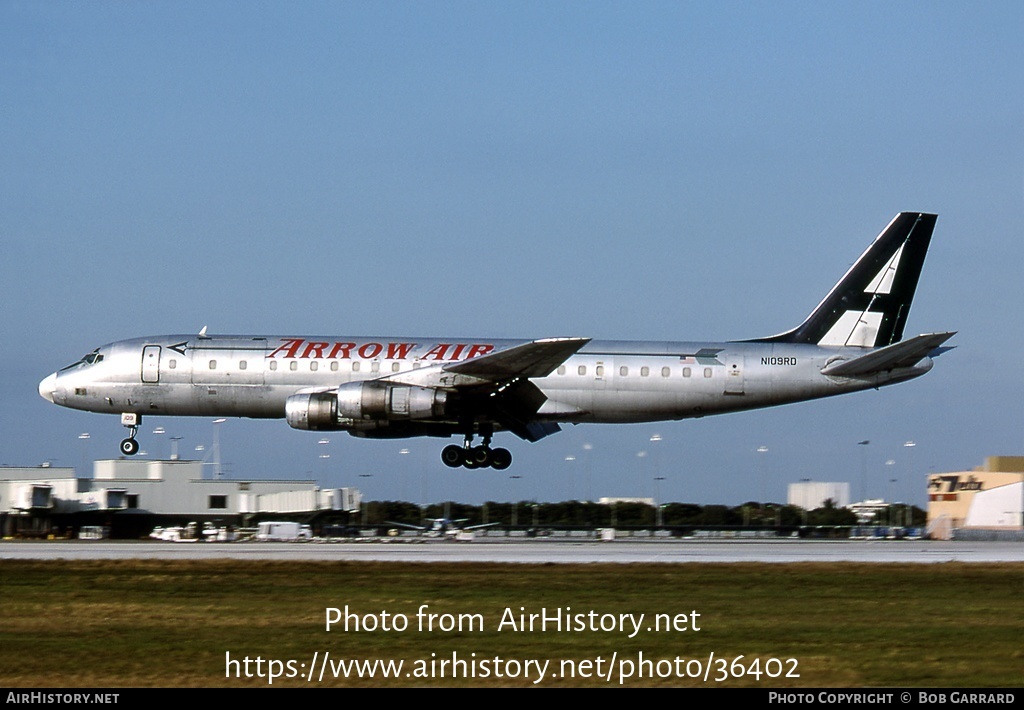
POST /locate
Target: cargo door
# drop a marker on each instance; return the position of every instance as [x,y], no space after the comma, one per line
[734,374]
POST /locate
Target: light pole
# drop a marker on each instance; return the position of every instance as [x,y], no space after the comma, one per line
[84,438]
[863,471]
[657,500]
[363,503]
[569,460]
[323,457]
[639,471]
[159,431]
[515,503]
[910,475]
[218,473]
[892,499]
[762,450]
[656,453]
[587,448]
[402,473]
[889,463]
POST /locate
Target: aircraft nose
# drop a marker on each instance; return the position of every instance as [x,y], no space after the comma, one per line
[47,387]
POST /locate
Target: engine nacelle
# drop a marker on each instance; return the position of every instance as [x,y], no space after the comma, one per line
[363,405]
[385,401]
[316,411]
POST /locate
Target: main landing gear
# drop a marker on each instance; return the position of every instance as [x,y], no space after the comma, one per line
[470,456]
[129,446]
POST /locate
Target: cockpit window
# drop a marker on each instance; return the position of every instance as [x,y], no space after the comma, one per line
[89,359]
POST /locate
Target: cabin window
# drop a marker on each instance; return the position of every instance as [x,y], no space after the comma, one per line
[599,370]
[355,366]
[334,366]
[293,366]
[374,366]
[416,365]
[395,366]
[645,371]
[273,364]
[707,372]
[213,364]
[314,366]
[623,371]
[582,369]
[666,371]
[686,372]
[171,364]
[242,365]
[561,369]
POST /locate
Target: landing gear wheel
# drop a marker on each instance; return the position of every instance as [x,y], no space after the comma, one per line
[501,459]
[129,447]
[479,455]
[451,456]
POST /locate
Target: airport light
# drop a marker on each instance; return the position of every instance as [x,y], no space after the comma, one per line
[892,497]
[174,447]
[84,438]
[657,500]
[217,471]
[515,504]
[863,470]
[587,448]
[764,470]
[402,474]
[910,473]
[656,453]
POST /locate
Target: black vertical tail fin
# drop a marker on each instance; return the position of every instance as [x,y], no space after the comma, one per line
[869,306]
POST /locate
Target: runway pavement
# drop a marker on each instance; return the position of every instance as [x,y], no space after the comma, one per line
[533,551]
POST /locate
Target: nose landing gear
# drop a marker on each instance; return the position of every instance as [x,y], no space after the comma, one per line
[130,420]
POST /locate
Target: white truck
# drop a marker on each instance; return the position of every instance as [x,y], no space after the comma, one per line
[283,531]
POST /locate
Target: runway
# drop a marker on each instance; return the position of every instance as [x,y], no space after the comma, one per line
[533,551]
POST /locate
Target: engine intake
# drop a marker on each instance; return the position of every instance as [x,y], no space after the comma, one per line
[316,411]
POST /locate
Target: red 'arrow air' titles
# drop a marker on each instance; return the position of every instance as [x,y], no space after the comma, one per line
[302,349]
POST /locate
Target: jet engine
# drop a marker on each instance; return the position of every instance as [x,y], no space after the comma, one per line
[358,404]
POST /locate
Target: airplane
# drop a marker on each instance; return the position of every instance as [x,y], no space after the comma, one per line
[380,387]
[442,527]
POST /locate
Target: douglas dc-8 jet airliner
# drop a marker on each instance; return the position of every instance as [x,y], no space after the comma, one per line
[377,387]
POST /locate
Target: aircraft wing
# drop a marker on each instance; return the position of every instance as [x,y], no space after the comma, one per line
[903,354]
[407,526]
[534,359]
[499,383]
[482,525]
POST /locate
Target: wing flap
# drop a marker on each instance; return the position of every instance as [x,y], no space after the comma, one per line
[903,354]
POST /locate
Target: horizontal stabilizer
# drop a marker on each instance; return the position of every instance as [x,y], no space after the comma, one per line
[903,354]
[534,359]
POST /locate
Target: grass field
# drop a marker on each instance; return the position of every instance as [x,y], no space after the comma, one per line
[157,623]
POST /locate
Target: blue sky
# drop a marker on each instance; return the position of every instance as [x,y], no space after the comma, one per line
[699,171]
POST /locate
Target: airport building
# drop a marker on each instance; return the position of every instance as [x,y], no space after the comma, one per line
[810,495]
[985,502]
[131,497]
